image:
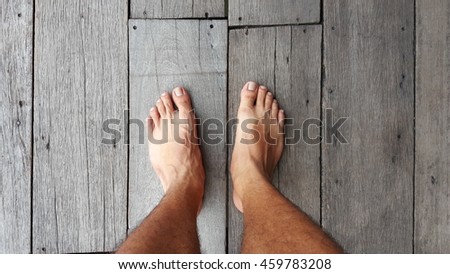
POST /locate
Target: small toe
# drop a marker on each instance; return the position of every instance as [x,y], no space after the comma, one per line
[154,115]
[260,100]
[268,101]
[248,94]
[274,109]
[167,101]
[182,100]
[281,117]
[161,108]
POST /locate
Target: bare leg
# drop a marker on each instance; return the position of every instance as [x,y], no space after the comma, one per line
[272,224]
[171,227]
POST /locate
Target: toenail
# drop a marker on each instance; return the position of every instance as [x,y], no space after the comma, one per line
[178,91]
[263,87]
[152,109]
[251,86]
[164,94]
[159,100]
[269,93]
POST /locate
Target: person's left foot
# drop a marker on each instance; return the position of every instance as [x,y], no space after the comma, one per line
[174,150]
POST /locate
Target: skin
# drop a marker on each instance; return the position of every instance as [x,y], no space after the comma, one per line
[272,224]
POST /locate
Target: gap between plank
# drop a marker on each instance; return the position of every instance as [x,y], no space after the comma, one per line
[414,132]
[32,125]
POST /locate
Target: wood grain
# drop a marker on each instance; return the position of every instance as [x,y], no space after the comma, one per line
[157,9]
[163,55]
[367,186]
[297,88]
[271,12]
[287,61]
[16,59]
[432,212]
[80,184]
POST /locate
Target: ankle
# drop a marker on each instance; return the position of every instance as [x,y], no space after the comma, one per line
[189,196]
[248,172]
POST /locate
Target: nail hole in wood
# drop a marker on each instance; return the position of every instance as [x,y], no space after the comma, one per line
[134,27]
[433,180]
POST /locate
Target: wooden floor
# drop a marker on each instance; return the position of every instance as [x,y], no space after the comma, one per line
[68,66]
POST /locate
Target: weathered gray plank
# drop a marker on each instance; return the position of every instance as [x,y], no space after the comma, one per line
[79,190]
[297,74]
[163,55]
[368,183]
[177,8]
[16,41]
[432,127]
[273,12]
[287,61]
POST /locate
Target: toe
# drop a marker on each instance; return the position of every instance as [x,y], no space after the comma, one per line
[182,100]
[161,108]
[248,94]
[154,115]
[167,101]
[261,98]
[268,101]
[274,109]
[281,117]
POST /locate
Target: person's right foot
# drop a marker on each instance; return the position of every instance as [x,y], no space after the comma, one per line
[177,160]
[256,154]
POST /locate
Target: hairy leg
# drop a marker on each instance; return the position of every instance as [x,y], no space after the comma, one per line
[272,224]
[171,227]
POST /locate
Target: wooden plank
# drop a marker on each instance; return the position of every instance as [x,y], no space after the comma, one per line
[157,9]
[297,74]
[80,184]
[163,55]
[271,56]
[16,60]
[271,12]
[432,227]
[367,185]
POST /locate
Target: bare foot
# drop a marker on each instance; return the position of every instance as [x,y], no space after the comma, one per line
[258,148]
[173,146]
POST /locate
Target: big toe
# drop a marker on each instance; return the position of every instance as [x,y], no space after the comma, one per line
[248,94]
[182,100]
